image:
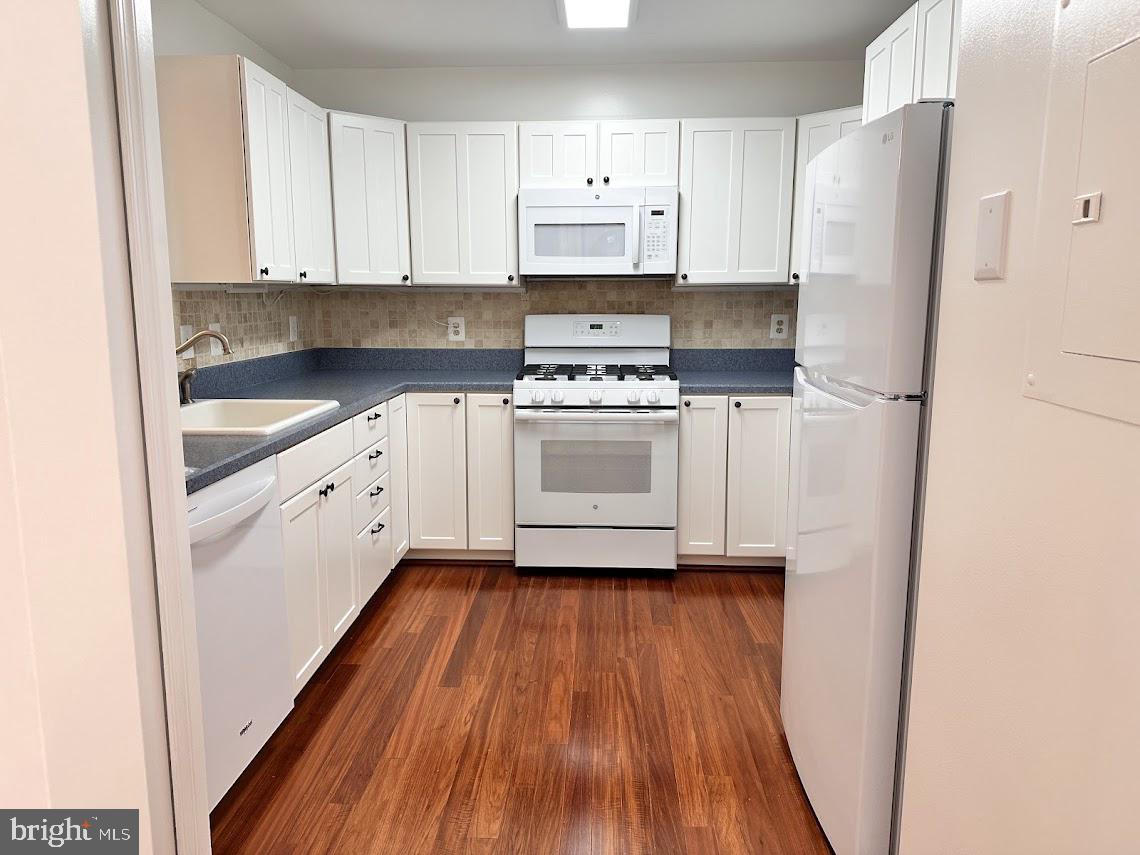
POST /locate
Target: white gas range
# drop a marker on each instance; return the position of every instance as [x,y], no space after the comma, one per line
[596,443]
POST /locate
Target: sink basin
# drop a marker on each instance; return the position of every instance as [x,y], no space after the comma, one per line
[248,416]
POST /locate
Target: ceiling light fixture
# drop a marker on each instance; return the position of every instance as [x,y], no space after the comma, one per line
[596,14]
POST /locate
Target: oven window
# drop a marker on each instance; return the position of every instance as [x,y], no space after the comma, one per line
[596,466]
[579,240]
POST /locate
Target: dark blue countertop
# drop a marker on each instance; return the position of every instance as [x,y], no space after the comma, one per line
[364,377]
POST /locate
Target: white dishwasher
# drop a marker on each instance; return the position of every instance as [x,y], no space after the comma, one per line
[243,634]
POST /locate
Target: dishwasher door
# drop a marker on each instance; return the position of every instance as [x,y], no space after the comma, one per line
[243,632]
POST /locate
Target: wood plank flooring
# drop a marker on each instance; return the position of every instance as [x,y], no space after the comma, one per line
[473,709]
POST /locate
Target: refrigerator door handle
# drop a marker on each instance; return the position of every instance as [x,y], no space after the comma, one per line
[851,398]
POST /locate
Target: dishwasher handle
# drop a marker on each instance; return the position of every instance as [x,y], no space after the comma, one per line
[231,509]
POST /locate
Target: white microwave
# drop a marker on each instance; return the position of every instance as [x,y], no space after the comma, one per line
[619,231]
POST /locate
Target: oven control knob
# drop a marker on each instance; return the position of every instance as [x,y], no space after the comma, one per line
[596,396]
[537,396]
[653,397]
[556,397]
[634,396]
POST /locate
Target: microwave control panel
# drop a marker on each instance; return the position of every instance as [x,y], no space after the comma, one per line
[659,238]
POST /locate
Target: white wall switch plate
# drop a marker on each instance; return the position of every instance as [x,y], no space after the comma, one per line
[779,326]
[993,229]
[184,332]
[456,329]
[215,345]
[294,328]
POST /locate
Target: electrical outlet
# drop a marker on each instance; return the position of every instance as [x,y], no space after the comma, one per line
[456,329]
[184,332]
[215,345]
[294,328]
[779,326]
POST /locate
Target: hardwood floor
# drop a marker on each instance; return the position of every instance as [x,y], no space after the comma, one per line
[474,709]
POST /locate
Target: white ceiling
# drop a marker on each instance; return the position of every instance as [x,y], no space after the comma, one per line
[419,33]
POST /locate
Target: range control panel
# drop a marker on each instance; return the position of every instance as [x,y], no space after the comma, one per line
[596,329]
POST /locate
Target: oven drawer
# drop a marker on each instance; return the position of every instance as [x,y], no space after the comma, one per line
[596,468]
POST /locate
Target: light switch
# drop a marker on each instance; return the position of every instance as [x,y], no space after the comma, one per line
[993,227]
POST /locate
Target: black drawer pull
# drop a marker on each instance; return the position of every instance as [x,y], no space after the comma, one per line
[376,529]
[328,488]
[737,405]
[373,417]
[376,492]
[688,403]
[376,455]
[506,400]
[455,401]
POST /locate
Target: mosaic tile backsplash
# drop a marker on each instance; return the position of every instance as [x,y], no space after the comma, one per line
[258,324]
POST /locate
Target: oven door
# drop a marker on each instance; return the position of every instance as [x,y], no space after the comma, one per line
[576,233]
[611,468]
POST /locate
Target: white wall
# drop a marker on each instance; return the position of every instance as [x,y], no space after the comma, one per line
[185,27]
[81,719]
[1023,728]
[600,91]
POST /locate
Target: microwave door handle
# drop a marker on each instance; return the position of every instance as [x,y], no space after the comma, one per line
[638,212]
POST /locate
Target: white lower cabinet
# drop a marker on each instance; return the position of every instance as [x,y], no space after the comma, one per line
[702,470]
[373,554]
[490,472]
[398,469]
[758,461]
[317,538]
[437,470]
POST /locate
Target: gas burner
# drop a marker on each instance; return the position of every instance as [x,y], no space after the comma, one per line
[543,371]
[593,371]
[647,372]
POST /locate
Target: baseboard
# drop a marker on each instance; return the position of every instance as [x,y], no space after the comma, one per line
[460,555]
[686,562]
[689,561]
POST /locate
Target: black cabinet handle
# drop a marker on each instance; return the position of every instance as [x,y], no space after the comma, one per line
[506,401]
[606,180]
[376,492]
[265,271]
[373,417]
[328,488]
[737,405]
[795,277]
[688,403]
[455,401]
[511,277]
[404,278]
[379,527]
[376,456]
[304,274]
[589,180]
[684,275]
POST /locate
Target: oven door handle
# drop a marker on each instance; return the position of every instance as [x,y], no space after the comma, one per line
[559,417]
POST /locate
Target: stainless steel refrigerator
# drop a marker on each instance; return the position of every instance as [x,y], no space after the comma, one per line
[859,409]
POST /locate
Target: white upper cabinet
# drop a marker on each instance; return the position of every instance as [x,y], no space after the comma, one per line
[736,200]
[638,152]
[312,194]
[463,193]
[370,200]
[814,133]
[916,57]
[558,154]
[267,164]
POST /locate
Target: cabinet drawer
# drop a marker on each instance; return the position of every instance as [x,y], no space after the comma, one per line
[370,501]
[303,464]
[373,555]
[370,426]
[371,463]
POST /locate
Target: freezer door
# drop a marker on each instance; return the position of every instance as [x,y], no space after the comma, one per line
[845,604]
[864,291]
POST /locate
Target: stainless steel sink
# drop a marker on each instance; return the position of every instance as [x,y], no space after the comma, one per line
[248,416]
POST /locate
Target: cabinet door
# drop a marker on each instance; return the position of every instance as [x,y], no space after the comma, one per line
[463,194]
[936,51]
[341,597]
[312,193]
[490,472]
[266,116]
[639,153]
[437,471]
[758,430]
[888,72]
[558,154]
[736,201]
[304,588]
[370,200]
[814,133]
[373,555]
[398,449]
[703,464]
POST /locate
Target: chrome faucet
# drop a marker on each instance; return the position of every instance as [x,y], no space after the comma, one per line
[187,376]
